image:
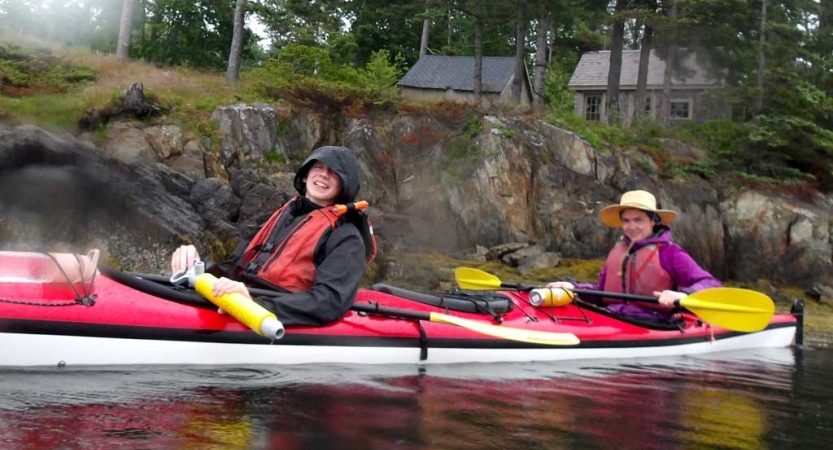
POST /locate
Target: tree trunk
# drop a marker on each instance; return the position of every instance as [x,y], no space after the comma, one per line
[520,51]
[826,44]
[615,71]
[143,24]
[125,28]
[759,98]
[642,73]
[669,66]
[236,52]
[540,64]
[156,23]
[423,43]
[449,27]
[137,104]
[478,53]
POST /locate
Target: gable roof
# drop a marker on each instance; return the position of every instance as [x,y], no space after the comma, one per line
[457,72]
[592,69]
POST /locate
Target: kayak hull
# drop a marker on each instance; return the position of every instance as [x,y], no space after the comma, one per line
[20,350]
[42,325]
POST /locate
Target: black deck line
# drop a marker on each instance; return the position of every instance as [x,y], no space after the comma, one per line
[56,328]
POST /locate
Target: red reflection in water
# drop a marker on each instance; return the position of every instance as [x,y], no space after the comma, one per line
[639,409]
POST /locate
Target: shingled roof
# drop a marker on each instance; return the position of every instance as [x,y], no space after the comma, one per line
[457,72]
[591,72]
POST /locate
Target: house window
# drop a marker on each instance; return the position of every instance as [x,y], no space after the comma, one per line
[647,110]
[680,109]
[593,107]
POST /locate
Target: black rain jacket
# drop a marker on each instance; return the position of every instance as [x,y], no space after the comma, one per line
[340,259]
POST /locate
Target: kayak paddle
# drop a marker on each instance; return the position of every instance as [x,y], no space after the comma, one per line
[731,308]
[514,334]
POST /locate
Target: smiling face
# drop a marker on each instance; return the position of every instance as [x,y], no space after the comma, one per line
[323,185]
[636,224]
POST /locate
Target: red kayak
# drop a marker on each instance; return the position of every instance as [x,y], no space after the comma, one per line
[109,317]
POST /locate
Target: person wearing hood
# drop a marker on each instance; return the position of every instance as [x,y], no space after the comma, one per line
[645,261]
[308,250]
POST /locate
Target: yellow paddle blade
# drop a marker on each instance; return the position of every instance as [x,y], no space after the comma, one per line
[731,308]
[475,279]
[514,334]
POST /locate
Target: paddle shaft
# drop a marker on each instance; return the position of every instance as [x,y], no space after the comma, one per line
[621,296]
[394,312]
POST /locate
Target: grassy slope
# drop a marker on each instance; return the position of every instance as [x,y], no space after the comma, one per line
[190,95]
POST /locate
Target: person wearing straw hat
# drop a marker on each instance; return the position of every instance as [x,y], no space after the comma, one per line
[644,260]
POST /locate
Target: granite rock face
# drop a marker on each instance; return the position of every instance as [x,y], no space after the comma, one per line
[433,183]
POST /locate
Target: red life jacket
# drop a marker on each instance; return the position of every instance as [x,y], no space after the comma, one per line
[638,272]
[290,263]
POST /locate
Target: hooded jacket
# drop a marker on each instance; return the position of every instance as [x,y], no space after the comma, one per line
[339,256]
[685,273]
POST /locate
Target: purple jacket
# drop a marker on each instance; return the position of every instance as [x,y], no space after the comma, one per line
[687,275]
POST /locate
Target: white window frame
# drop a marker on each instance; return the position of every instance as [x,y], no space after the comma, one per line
[687,101]
[587,97]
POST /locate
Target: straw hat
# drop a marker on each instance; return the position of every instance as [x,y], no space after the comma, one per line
[611,215]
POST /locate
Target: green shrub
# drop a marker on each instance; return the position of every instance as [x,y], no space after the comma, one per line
[618,137]
[33,72]
[461,148]
[643,163]
[586,130]
[10,73]
[274,156]
[557,95]
[383,71]
[306,76]
[777,150]
[721,138]
[474,127]
[646,130]
[461,152]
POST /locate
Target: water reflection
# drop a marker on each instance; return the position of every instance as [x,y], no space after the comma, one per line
[749,400]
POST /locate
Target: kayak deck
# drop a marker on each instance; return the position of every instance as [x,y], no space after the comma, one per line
[128,326]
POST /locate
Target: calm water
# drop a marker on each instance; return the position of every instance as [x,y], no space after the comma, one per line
[777,399]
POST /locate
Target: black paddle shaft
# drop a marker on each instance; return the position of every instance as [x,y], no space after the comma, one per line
[621,296]
[373,308]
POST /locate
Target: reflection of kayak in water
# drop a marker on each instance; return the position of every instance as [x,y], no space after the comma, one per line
[587,405]
[141,319]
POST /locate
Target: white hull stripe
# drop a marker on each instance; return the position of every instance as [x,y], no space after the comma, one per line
[301,339]
[19,349]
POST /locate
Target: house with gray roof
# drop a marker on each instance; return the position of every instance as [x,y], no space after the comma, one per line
[435,78]
[695,92]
